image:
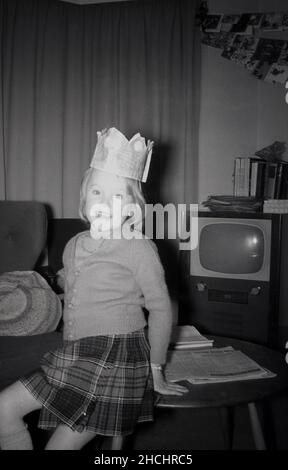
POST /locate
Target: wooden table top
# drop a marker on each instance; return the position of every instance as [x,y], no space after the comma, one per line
[234,393]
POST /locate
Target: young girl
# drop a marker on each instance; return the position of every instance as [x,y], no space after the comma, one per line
[101,381]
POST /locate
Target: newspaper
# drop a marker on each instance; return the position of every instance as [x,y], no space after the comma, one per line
[213,365]
[188,337]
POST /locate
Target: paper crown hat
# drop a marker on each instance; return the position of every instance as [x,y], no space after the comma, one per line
[115,154]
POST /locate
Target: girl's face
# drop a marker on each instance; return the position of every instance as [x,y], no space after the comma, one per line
[106,196]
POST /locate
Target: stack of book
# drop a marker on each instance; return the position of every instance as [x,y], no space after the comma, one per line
[188,337]
[259,178]
[233,203]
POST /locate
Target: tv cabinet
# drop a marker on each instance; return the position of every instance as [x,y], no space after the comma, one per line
[253,309]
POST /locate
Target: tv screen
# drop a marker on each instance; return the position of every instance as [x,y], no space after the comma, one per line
[231,248]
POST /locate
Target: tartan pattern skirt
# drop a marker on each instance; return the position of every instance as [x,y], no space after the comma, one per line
[100,384]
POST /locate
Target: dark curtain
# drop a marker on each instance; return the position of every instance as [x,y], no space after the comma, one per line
[67,71]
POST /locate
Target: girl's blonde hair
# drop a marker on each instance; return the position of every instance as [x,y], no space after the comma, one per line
[134,190]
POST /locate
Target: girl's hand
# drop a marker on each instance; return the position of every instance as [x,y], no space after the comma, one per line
[164,387]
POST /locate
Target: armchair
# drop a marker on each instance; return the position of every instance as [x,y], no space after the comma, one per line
[23,231]
[23,234]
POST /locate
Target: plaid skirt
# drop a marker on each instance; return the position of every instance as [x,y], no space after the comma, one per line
[100,384]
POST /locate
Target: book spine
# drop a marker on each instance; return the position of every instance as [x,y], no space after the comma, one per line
[260,179]
[237,163]
[284,182]
[246,176]
[253,178]
[278,183]
[242,185]
[270,179]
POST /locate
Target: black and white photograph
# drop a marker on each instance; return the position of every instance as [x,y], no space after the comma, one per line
[220,40]
[272,21]
[228,21]
[246,51]
[143,232]
[233,47]
[269,50]
[259,68]
[212,23]
[243,25]
[283,57]
[285,21]
[255,20]
[277,74]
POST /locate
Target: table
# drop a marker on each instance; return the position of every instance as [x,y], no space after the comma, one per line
[230,394]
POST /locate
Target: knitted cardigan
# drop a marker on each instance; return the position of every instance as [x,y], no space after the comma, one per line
[106,290]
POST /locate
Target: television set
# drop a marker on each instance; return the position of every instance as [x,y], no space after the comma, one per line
[235,248]
[234,282]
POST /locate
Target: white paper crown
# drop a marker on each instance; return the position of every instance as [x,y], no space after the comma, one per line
[115,154]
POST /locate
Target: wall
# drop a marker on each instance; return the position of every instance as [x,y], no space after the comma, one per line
[239,114]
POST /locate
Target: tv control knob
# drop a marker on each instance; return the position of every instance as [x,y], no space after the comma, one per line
[255,290]
[201,286]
